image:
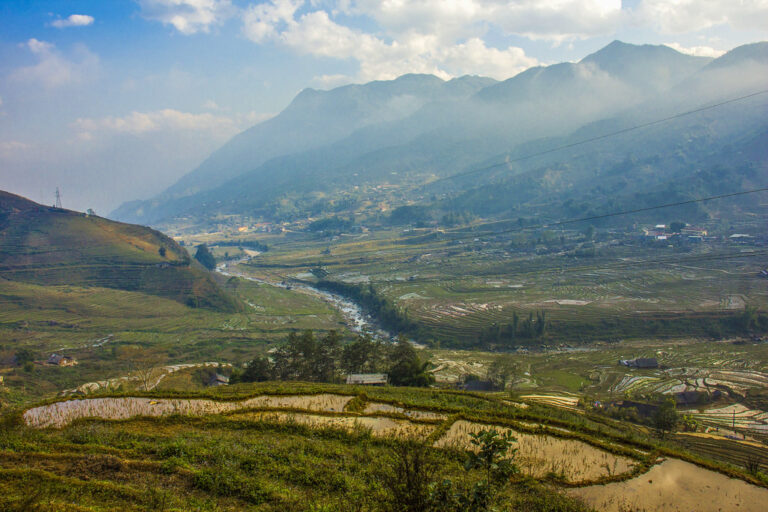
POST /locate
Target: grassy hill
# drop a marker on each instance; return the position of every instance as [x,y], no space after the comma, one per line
[52,246]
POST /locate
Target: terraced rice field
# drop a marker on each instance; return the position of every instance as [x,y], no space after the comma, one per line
[60,414]
[378,426]
[734,415]
[566,402]
[676,486]
[374,407]
[540,455]
[739,453]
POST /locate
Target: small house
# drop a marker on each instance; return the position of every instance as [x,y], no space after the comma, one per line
[367,379]
[218,379]
[640,362]
[60,360]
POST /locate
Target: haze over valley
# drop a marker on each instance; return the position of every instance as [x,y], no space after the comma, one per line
[384,256]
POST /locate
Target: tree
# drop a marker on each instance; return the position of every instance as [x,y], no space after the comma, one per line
[665,418]
[205,257]
[494,455]
[327,356]
[296,359]
[24,356]
[406,369]
[161,251]
[355,356]
[408,476]
[258,370]
[501,371]
[363,355]
[676,227]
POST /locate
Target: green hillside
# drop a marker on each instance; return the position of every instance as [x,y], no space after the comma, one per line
[52,246]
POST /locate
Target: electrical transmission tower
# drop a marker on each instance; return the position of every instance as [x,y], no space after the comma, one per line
[58,198]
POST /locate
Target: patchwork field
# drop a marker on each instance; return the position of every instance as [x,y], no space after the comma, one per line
[247,448]
[118,336]
[454,288]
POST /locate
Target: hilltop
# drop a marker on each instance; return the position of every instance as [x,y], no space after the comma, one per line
[52,246]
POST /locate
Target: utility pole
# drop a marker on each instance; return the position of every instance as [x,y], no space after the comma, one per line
[58,198]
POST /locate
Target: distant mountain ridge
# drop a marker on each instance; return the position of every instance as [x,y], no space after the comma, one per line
[418,127]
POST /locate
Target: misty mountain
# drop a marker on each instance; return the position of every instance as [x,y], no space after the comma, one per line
[316,118]
[409,131]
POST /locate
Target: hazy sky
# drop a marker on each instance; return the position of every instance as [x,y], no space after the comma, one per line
[113,100]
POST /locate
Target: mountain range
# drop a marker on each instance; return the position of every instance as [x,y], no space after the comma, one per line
[332,148]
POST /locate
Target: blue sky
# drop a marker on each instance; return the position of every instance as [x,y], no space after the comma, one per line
[115,100]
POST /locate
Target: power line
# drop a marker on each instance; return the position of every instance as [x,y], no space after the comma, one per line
[599,137]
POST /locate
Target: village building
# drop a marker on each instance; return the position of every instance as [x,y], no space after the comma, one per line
[218,379]
[367,379]
[640,362]
[60,360]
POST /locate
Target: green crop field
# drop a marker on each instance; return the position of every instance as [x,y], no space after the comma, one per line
[453,291]
[140,330]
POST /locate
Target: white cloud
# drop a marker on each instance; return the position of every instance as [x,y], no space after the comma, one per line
[315,33]
[555,20]
[11,147]
[54,69]
[678,16]
[211,105]
[698,51]
[74,20]
[188,16]
[165,120]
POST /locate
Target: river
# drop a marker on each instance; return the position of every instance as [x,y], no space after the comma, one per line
[355,319]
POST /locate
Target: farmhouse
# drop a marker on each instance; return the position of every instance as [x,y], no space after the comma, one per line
[59,360]
[640,362]
[218,379]
[367,379]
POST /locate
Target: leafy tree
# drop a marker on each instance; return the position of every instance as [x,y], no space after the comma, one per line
[161,251]
[665,417]
[327,356]
[408,476]
[258,370]
[205,257]
[675,227]
[406,369]
[295,360]
[24,356]
[493,456]
[501,371]
[363,355]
